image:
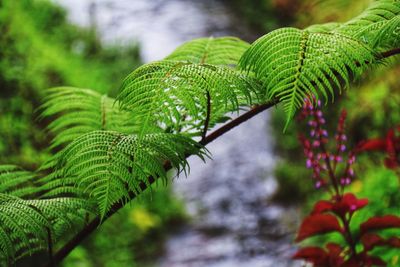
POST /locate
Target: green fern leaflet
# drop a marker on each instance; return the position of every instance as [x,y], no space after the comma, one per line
[296,64]
[111,166]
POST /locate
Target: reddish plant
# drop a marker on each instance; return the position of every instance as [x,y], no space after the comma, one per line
[390,145]
[332,172]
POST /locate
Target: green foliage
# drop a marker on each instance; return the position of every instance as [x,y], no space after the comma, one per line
[28,226]
[379,20]
[295,64]
[111,150]
[16,181]
[38,50]
[177,95]
[196,83]
[109,165]
[388,34]
[82,111]
[224,51]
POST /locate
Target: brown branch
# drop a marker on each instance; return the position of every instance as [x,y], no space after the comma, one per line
[389,53]
[96,222]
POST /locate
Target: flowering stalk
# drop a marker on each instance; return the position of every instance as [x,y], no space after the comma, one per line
[319,159]
[331,173]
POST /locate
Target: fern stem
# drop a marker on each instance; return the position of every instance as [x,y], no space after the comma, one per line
[103,112]
[50,248]
[383,55]
[390,53]
[207,121]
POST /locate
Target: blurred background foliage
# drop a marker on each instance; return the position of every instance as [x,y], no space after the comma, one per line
[40,49]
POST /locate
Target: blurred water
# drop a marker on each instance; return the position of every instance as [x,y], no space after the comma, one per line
[234,223]
[158,25]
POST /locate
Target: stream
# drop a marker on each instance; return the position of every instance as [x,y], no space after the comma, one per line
[233,221]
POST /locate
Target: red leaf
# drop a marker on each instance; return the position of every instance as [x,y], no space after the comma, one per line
[318,224]
[322,206]
[351,263]
[364,260]
[391,160]
[353,202]
[370,240]
[334,251]
[390,141]
[315,255]
[391,145]
[349,204]
[393,242]
[371,145]
[391,163]
[374,261]
[376,223]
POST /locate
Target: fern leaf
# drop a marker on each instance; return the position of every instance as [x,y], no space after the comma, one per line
[378,26]
[368,23]
[384,34]
[296,64]
[26,225]
[56,184]
[323,28]
[80,111]
[174,94]
[224,51]
[16,181]
[108,165]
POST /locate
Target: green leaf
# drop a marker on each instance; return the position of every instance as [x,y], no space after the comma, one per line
[79,111]
[113,167]
[297,64]
[173,95]
[27,225]
[224,51]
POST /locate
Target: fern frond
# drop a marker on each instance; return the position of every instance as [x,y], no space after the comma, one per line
[108,165]
[369,23]
[56,184]
[177,95]
[381,35]
[26,226]
[16,181]
[215,51]
[80,111]
[296,64]
[323,28]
